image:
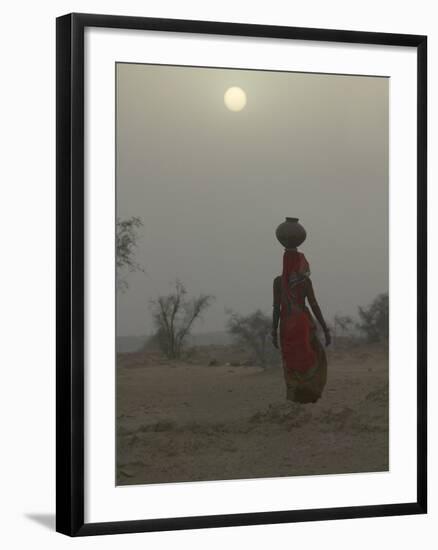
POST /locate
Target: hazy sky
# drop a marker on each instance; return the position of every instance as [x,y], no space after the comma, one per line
[211,185]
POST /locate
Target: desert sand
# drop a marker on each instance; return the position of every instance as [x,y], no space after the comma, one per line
[205,420]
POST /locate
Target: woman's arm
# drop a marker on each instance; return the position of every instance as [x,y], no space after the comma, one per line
[317,311]
[276,310]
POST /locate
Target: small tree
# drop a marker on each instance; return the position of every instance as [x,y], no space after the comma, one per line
[126,243]
[253,330]
[341,325]
[374,320]
[344,322]
[174,316]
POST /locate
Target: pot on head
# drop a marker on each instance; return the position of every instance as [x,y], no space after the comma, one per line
[290,233]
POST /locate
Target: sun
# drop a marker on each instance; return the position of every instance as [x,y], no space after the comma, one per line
[235,98]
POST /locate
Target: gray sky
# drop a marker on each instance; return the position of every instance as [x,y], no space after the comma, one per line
[211,185]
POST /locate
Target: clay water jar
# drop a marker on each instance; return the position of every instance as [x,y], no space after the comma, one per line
[290,233]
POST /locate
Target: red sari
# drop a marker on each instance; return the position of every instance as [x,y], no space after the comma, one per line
[304,359]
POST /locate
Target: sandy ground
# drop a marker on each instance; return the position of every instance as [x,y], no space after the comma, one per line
[186,422]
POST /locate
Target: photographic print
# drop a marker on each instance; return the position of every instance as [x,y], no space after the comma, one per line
[252,274]
[241,274]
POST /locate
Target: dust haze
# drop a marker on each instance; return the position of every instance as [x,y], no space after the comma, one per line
[211,185]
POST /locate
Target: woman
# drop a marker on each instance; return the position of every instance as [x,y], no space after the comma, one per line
[304,358]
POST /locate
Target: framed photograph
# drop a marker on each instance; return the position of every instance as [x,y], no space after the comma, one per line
[241,274]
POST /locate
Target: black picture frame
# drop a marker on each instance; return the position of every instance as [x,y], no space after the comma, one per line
[70,273]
